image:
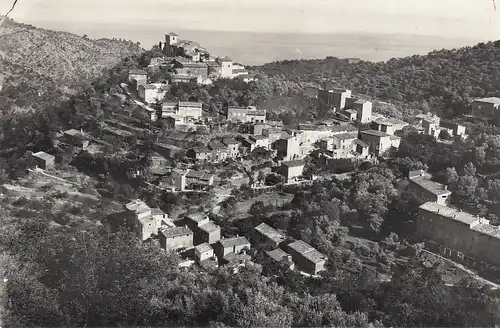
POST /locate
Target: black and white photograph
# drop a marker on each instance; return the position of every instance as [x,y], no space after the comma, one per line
[249,163]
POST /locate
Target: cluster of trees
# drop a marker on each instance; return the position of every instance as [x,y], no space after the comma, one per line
[444,80]
[470,168]
[62,276]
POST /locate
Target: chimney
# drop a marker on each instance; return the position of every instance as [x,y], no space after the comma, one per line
[445,187]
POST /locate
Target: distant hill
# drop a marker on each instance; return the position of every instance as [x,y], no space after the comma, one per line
[34,60]
[443,81]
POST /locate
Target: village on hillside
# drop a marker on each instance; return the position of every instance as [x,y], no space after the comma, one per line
[195,153]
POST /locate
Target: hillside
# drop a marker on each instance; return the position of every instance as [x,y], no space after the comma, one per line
[443,81]
[34,60]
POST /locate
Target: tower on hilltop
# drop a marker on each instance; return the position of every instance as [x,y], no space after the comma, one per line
[171,40]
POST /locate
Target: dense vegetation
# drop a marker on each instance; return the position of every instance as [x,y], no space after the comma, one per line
[65,272]
[444,81]
[39,66]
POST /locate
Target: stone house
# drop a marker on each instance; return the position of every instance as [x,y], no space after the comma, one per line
[426,190]
[292,170]
[280,256]
[485,108]
[379,142]
[43,160]
[334,98]
[176,238]
[306,257]
[227,246]
[203,252]
[267,235]
[233,146]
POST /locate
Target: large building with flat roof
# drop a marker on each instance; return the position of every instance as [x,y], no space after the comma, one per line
[459,235]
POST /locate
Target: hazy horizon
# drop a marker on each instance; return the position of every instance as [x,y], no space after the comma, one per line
[256,48]
[448,18]
[258,31]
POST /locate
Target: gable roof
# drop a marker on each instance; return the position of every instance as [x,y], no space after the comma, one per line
[307,251]
[361,143]
[375,133]
[294,163]
[175,232]
[433,187]
[270,233]
[43,155]
[234,241]
[202,248]
[209,227]
[449,212]
[190,104]
[491,100]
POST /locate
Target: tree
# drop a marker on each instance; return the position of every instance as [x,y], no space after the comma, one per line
[444,135]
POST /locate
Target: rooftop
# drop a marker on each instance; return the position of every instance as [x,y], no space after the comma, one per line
[230,141]
[172,34]
[361,143]
[449,212]
[433,187]
[294,163]
[43,155]
[270,233]
[209,227]
[278,254]
[197,217]
[137,206]
[254,112]
[190,104]
[375,133]
[201,149]
[137,72]
[487,229]
[344,136]
[307,251]
[175,232]
[361,101]
[202,248]
[234,241]
[217,145]
[260,137]
[73,132]
[491,100]
[343,128]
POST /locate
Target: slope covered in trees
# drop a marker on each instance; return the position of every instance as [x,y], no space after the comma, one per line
[35,61]
[444,81]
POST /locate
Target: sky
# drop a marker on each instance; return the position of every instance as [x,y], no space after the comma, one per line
[475,19]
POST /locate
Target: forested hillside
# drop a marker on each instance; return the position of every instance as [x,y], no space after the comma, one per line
[444,81]
[36,62]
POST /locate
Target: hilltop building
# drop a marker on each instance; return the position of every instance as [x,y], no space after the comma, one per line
[334,99]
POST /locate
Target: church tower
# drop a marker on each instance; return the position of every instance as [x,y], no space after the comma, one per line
[171,40]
